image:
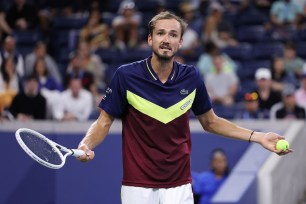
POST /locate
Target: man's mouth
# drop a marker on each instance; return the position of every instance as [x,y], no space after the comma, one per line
[165,47]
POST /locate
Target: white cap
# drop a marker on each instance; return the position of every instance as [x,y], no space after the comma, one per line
[263,73]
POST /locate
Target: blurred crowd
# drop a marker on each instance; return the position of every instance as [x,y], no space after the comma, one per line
[58,56]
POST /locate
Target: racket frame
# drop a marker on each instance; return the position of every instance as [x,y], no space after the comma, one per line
[55,147]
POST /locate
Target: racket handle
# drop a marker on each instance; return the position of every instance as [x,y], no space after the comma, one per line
[77,152]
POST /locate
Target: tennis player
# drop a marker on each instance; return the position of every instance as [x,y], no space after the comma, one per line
[154,97]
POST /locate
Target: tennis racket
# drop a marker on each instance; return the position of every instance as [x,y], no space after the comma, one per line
[43,150]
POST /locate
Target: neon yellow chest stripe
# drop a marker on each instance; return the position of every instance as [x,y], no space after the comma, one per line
[164,115]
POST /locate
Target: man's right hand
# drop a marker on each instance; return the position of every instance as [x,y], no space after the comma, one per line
[89,154]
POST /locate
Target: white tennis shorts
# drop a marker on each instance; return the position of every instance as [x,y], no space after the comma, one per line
[139,195]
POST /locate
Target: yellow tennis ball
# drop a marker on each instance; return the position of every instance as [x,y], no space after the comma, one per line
[282,145]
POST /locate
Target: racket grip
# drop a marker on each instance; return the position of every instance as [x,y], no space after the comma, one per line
[77,152]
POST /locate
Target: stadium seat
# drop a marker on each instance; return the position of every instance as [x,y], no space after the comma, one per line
[240,52]
[251,18]
[67,23]
[108,55]
[134,54]
[301,49]
[27,37]
[249,67]
[251,34]
[267,50]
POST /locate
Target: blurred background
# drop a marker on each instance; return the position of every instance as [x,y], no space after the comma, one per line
[250,53]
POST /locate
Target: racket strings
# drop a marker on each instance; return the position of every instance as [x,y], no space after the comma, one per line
[41,148]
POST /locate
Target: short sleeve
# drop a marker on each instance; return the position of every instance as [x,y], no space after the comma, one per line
[202,102]
[114,102]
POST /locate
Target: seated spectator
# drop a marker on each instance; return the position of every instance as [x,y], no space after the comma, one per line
[221,86]
[76,69]
[207,183]
[191,36]
[300,94]
[22,16]
[75,103]
[216,29]
[95,32]
[9,83]
[48,86]
[205,62]
[29,104]
[292,63]
[280,76]
[251,108]
[9,50]
[5,29]
[45,80]
[284,14]
[288,108]
[92,63]
[40,51]
[126,25]
[267,97]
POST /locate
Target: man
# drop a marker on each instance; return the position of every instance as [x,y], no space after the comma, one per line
[154,98]
[75,103]
[288,108]
[29,104]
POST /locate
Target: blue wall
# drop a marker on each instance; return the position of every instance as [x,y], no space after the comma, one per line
[24,181]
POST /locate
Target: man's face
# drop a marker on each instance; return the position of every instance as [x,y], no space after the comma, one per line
[166,38]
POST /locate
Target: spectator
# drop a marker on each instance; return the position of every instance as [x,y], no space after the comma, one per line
[48,86]
[9,83]
[95,32]
[9,50]
[29,104]
[45,80]
[284,15]
[40,51]
[5,29]
[191,36]
[216,29]
[22,16]
[300,94]
[267,97]
[205,62]
[126,25]
[288,108]
[280,76]
[292,63]
[206,184]
[75,103]
[251,108]
[92,63]
[76,69]
[221,86]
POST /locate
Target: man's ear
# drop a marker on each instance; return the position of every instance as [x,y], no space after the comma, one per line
[150,40]
[181,42]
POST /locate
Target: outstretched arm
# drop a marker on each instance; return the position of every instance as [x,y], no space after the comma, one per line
[214,124]
[95,135]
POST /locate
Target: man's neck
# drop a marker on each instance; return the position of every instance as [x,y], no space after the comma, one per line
[162,68]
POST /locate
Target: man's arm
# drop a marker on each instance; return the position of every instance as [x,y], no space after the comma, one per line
[95,135]
[214,124]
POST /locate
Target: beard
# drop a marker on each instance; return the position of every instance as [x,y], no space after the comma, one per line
[163,58]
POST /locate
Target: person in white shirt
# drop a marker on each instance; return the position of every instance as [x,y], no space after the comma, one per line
[75,103]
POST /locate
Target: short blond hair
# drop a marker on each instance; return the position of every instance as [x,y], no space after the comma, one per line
[166,15]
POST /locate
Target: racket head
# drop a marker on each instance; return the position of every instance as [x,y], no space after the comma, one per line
[40,148]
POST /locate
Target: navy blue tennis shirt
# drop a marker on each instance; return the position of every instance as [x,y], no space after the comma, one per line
[155,117]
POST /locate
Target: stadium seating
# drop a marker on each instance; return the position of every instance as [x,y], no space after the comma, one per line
[266,50]
[251,34]
[242,51]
